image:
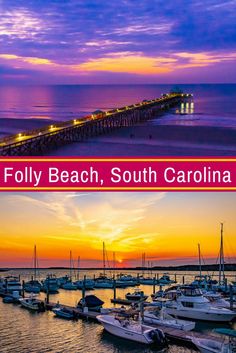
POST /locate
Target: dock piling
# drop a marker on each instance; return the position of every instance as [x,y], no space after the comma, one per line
[154,284]
[114,289]
[83,288]
[231,299]
[23,288]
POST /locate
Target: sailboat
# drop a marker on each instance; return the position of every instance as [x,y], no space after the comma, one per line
[70,285]
[50,284]
[32,303]
[205,282]
[86,283]
[33,286]
[103,281]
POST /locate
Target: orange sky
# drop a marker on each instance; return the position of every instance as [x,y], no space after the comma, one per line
[167,226]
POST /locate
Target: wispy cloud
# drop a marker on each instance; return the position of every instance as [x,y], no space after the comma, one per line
[21,23]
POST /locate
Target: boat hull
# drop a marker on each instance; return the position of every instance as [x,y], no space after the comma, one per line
[185,326]
[126,334]
[29,306]
[34,290]
[201,315]
[63,315]
[103,285]
[205,347]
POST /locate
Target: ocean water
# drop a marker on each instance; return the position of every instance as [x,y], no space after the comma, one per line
[24,332]
[213,104]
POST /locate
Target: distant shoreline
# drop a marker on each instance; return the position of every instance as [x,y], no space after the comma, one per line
[228,267]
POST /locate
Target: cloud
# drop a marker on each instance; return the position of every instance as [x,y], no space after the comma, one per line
[106,43]
[95,217]
[161,28]
[78,37]
[21,23]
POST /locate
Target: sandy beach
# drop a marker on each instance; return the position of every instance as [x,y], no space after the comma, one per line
[149,140]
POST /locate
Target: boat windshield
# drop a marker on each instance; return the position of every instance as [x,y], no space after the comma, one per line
[191,292]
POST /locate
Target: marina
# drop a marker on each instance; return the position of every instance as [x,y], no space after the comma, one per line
[66,304]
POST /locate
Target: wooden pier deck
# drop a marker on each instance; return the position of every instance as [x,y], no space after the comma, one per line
[40,141]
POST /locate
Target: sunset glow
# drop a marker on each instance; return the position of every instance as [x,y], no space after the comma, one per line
[104,42]
[168,226]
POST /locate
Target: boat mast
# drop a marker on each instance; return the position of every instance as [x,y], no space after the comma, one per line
[222,261]
[78,266]
[114,263]
[35,263]
[199,261]
[103,258]
[70,265]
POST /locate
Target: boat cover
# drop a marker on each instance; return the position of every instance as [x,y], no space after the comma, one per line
[226,331]
[92,300]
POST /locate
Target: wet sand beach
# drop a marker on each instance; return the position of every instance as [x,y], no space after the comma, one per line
[150,140]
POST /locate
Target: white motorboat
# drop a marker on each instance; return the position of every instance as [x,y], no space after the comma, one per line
[191,304]
[217,300]
[157,316]
[50,285]
[11,284]
[69,286]
[103,282]
[213,346]
[157,295]
[165,280]
[131,330]
[64,313]
[33,286]
[31,303]
[126,281]
[147,280]
[86,284]
[137,295]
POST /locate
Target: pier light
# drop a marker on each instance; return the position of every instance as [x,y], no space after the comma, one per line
[75,121]
[20,135]
[51,127]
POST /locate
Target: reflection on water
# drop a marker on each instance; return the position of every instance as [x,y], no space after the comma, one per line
[64,102]
[24,332]
[185,108]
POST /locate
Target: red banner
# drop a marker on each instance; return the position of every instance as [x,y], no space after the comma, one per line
[117,174]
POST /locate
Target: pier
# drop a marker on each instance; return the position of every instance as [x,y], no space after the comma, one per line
[40,141]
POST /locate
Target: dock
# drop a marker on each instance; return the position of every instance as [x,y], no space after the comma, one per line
[40,141]
[90,314]
[183,337]
[174,335]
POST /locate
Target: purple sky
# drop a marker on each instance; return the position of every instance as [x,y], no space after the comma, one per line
[126,41]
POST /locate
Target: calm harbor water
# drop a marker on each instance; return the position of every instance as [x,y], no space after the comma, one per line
[22,331]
